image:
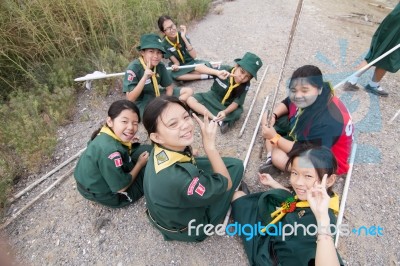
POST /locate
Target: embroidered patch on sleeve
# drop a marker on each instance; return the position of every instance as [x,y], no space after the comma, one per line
[113,155]
[161,157]
[131,75]
[200,189]
[192,185]
[116,156]
[118,162]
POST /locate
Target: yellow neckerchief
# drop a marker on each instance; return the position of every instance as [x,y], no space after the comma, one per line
[291,133]
[164,158]
[231,87]
[108,131]
[279,213]
[176,46]
[153,77]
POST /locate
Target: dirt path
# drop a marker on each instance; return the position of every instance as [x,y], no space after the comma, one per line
[63,228]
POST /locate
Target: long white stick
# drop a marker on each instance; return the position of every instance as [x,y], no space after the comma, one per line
[246,160]
[368,66]
[15,215]
[102,75]
[34,184]
[394,117]
[252,104]
[345,191]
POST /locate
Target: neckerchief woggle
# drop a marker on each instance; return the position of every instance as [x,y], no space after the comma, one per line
[108,131]
[177,46]
[164,158]
[231,87]
[292,203]
[153,77]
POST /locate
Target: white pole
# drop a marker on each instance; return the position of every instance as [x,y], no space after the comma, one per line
[368,66]
[246,160]
[102,75]
[252,104]
[345,191]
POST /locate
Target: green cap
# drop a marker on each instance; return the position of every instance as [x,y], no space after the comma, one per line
[150,41]
[251,63]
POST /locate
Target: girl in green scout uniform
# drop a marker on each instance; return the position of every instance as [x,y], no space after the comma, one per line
[180,189]
[386,36]
[111,169]
[179,50]
[146,75]
[224,102]
[310,114]
[305,206]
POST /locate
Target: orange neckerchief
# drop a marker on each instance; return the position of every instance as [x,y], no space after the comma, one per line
[153,78]
[231,87]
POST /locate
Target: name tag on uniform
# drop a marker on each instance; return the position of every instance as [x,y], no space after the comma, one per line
[223,85]
[148,81]
[172,49]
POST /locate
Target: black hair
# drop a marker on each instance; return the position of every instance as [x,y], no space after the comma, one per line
[312,75]
[116,109]
[161,21]
[155,108]
[322,159]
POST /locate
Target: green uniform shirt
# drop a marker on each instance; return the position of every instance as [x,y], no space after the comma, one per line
[171,50]
[297,249]
[134,74]
[213,98]
[184,191]
[103,169]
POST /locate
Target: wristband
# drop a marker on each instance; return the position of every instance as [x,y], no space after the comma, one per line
[275,139]
[190,49]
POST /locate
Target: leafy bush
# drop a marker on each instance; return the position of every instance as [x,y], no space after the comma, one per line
[44,45]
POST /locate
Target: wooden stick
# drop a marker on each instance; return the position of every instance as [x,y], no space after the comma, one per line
[289,45]
[381,6]
[252,104]
[34,184]
[345,191]
[15,215]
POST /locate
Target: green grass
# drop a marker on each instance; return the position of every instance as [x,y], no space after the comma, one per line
[44,45]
